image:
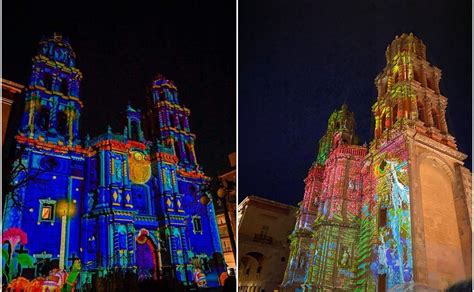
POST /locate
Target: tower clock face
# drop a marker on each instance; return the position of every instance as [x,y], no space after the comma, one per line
[140,168]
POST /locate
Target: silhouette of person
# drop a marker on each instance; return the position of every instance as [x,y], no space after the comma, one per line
[230,283]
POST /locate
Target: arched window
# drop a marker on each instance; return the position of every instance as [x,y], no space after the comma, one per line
[421,111]
[43,118]
[189,153]
[64,87]
[48,81]
[177,150]
[394,113]
[62,123]
[134,130]
[435,115]
[172,121]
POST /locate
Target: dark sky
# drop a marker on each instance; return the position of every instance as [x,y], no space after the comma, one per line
[120,49]
[300,60]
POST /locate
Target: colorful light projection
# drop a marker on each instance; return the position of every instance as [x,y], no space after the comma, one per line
[122,183]
[361,234]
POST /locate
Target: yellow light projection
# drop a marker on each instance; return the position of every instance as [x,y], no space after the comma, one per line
[140,168]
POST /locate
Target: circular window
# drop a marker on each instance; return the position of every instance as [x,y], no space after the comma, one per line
[49,163]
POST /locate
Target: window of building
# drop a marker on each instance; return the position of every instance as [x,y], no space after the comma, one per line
[47,211]
[421,112]
[382,122]
[62,123]
[134,130]
[259,270]
[64,87]
[48,81]
[197,228]
[394,114]
[177,150]
[43,118]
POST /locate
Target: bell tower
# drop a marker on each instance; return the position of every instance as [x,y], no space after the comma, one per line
[52,100]
[418,198]
[170,122]
[408,93]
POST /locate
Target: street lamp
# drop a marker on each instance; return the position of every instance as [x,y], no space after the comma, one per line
[222,193]
[65,210]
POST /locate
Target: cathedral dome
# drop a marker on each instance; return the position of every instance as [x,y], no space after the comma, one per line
[56,48]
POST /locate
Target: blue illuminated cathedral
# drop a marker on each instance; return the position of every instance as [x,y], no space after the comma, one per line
[118,200]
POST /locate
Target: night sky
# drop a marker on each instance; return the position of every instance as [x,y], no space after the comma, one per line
[300,60]
[120,49]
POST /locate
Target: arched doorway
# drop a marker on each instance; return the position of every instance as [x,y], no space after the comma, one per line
[146,256]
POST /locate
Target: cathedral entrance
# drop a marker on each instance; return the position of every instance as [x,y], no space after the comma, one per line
[146,257]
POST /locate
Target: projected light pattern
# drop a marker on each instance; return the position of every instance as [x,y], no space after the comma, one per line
[354,227]
[134,193]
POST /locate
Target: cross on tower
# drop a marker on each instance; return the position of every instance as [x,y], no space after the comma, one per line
[21,250]
[73,258]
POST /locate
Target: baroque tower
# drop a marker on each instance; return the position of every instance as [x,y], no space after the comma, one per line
[48,170]
[418,181]
[52,97]
[395,216]
[326,221]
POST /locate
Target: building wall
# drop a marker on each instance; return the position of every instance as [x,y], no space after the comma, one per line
[228,181]
[410,214]
[136,198]
[263,243]
[10,93]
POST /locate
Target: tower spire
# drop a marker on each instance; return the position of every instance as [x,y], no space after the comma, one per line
[408,93]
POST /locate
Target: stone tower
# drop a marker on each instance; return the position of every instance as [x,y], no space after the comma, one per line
[47,174]
[52,98]
[419,185]
[397,215]
[327,219]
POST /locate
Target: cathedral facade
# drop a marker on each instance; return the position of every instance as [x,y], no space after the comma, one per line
[393,214]
[119,200]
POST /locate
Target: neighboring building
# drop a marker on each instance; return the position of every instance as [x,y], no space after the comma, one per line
[11,92]
[396,214]
[135,194]
[264,227]
[228,180]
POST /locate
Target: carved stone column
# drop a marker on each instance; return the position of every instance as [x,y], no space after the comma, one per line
[424,83]
[428,114]
[442,119]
